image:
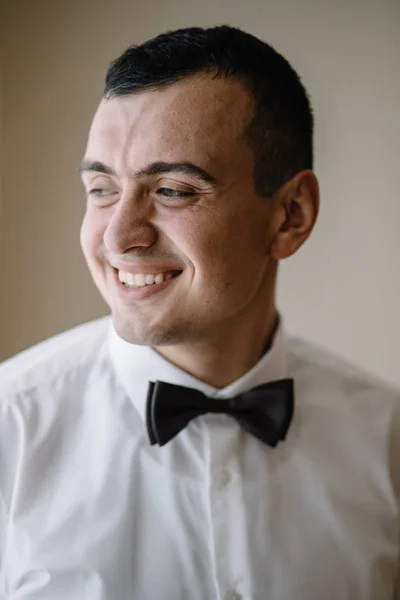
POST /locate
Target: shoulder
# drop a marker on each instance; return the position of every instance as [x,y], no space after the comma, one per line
[315,367]
[52,359]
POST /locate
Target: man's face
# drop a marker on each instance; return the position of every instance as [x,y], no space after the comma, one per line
[201,228]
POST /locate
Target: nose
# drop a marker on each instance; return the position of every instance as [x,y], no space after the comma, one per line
[130,225]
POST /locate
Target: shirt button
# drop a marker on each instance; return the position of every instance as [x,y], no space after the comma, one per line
[232,596]
[226,478]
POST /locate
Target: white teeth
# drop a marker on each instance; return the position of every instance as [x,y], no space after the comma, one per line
[141,279]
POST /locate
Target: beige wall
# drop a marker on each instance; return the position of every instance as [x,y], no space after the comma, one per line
[2,305]
[343,288]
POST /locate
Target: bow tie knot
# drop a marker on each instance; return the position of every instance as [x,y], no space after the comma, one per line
[265,411]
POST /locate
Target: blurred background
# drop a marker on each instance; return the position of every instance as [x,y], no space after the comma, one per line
[342,290]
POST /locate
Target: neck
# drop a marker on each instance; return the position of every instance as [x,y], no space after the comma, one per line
[221,360]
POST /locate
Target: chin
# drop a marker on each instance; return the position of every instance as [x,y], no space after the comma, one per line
[128,330]
[134,331]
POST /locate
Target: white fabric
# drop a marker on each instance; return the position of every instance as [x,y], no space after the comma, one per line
[90,511]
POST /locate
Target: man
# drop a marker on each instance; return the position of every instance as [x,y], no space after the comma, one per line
[160,452]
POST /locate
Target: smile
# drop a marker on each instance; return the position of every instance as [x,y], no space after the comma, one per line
[139,280]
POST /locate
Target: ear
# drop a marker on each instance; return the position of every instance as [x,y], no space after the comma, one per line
[297,206]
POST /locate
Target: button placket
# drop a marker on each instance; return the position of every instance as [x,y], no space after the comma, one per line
[225,504]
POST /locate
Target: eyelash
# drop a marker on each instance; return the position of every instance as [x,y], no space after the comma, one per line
[164,191]
[97,192]
[174,193]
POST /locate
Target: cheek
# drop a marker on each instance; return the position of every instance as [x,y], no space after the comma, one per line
[84,238]
[91,236]
[235,242]
[234,274]
[227,253]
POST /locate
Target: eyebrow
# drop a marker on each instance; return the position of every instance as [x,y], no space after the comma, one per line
[94,165]
[156,168]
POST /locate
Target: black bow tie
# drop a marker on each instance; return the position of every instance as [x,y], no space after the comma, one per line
[265,411]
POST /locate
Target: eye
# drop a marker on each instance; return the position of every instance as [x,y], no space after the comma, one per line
[171,193]
[100,192]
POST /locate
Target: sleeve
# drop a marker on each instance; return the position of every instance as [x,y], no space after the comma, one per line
[9,443]
[3,528]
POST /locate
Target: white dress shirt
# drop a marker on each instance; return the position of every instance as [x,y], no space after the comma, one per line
[89,510]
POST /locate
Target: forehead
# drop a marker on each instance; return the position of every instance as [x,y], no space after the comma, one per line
[200,119]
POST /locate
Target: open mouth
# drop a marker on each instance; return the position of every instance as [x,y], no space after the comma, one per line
[142,280]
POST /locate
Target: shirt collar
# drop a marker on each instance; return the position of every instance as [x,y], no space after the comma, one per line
[136,366]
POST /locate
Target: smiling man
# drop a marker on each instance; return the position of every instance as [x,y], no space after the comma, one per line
[184,446]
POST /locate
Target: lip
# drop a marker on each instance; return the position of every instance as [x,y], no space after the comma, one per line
[146,270]
[141,293]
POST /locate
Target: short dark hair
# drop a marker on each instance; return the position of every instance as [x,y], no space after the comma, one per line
[281,130]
